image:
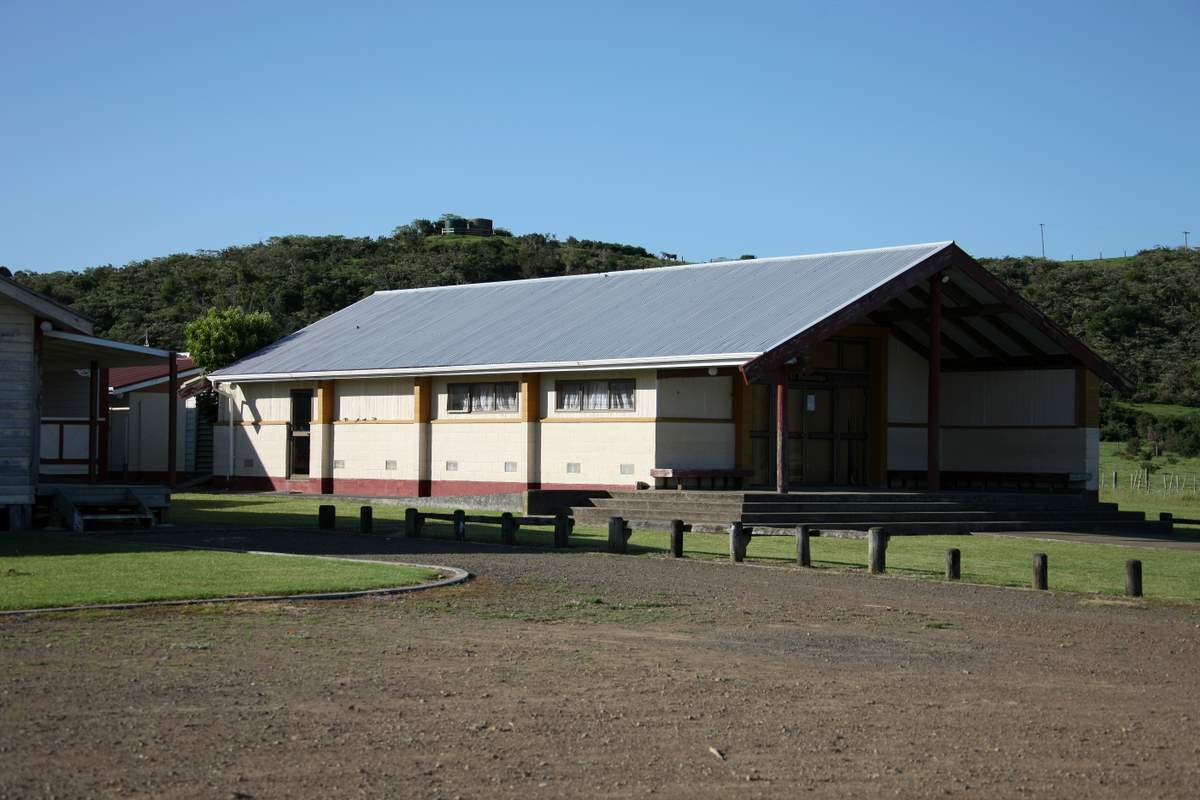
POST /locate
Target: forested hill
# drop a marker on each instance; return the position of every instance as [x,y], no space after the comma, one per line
[1141,312]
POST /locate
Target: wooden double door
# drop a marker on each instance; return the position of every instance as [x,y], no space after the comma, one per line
[829,422]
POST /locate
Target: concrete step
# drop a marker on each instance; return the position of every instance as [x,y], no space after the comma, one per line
[872,518]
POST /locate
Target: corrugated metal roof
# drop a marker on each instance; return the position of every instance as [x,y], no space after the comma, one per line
[736,309]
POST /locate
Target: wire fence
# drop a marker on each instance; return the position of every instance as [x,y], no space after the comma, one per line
[1167,484]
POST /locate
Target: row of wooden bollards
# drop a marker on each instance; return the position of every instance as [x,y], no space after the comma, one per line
[414,522]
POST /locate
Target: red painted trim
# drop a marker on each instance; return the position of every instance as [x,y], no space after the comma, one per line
[373,487]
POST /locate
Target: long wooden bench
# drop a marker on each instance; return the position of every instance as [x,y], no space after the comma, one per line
[738,476]
[967,479]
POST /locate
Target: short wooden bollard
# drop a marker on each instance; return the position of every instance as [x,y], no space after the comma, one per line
[738,541]
[508,528]
[1040,572]
[366,519]
[562,530]
[877,551]
[412,523]
[1133,578]
[953,564]
[460,525]
[616,535]
[677,538]
[803,548]
[326,518]
[1168,518]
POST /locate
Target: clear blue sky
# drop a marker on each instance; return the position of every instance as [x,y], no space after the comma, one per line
[136,130]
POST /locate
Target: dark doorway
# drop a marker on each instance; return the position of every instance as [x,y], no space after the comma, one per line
[829,412]
[299,433]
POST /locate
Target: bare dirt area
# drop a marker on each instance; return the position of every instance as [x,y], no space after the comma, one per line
[586,675]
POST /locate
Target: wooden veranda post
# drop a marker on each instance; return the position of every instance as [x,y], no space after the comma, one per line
[781,431]
[172,415]
[934,417]
[93,424]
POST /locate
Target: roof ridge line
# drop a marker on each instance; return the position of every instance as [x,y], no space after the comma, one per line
[701,265]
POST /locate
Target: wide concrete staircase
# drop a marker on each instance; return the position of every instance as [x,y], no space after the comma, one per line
[915,512]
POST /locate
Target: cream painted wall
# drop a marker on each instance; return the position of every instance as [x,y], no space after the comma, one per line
[373,399]
[147,420]
[1026,397]
[263,446]
[695,445]
[600,448]
[479,450]
[907,389]
[365,449]
[270,401]
[701,397]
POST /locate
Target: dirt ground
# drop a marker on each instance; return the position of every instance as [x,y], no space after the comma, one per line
[587,675]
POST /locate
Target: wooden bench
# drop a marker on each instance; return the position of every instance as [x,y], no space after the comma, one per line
[738,476]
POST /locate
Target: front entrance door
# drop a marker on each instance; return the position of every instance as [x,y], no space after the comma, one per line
[299,431]
[828,420]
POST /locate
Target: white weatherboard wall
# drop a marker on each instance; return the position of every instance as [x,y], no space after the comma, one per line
[17,408]
[600,442]
[695,426]
[147,421]
[372,427]
[994,421]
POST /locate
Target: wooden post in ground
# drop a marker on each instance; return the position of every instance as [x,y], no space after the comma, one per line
[1133,577]
[738,539]
[172,417]
[933,422]
[326,518]
[366,519]
[616,535]
[562,530]
[1040,572]
[677,538]
[412,523]
[953,564]
[877,551]
[781,430]
[93,467]
[803,548]
[508,528]
[460,525]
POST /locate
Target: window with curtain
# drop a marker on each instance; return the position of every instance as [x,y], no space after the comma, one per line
[482,398]
[595,395]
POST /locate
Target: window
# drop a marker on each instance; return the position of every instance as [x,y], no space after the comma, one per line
[482,398]
[595,395]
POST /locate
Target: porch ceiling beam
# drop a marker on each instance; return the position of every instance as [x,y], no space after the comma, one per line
[903,337]
[946,341]
[907,314]
[984,342]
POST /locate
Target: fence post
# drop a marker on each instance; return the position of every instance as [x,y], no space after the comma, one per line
[953,564]
[1168,518]
[562,530]
[1040,570]
[460,525]
[1133,578]
[412,523]
[616,535]
[366,519]
[738,539]
[677,538]
[876,551]
[326,518]
[803,548]
[508,528]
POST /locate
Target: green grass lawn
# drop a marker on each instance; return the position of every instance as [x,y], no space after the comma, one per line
[40,570]
[1184,505]
[1001,560]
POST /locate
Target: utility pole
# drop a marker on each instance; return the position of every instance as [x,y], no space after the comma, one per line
[1185,235]
[1042,225]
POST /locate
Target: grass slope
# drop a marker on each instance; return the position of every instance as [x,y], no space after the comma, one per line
[1000,560]
[40,570]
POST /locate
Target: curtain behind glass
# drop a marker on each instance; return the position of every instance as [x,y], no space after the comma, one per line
[506,397]
[483,397]
[595,395]
[570,396]
[622,395]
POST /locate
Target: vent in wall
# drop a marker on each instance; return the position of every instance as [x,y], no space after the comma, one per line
[339,463]
[510,466]
[451,466]
[572,467]
[627,469]
[389,464]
